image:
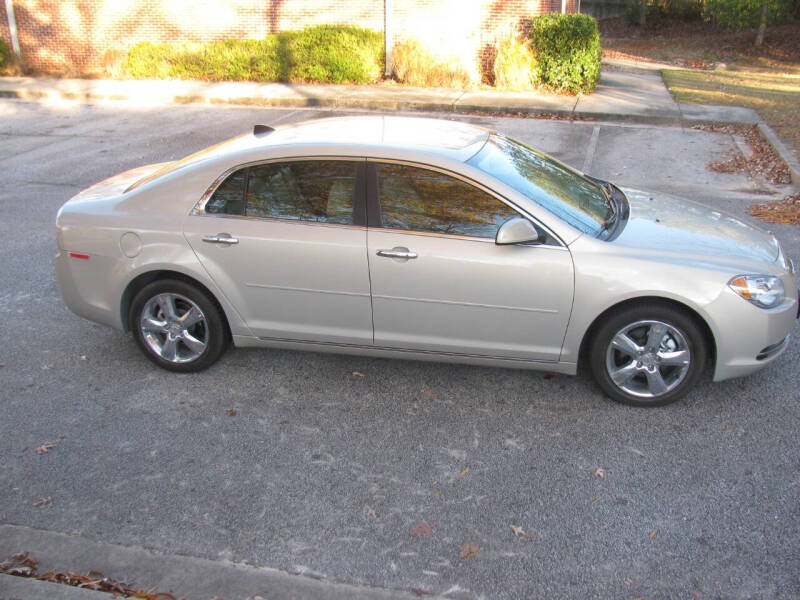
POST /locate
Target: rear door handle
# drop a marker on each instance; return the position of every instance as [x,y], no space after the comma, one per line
[398,252]
[221,238]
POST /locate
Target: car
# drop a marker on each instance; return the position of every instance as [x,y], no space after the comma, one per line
[423,239]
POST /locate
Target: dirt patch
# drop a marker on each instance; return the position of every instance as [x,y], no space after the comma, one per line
[764,164]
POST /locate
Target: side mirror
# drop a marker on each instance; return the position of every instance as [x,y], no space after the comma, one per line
[517,231]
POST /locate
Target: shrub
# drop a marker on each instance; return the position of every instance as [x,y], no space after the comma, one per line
[741,14]
[327,53]
[5,54]
[663,10]
[515,66]
[414,64]
[567,48]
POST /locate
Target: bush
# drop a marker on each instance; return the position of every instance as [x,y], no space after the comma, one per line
[567,48]
[736,15]
[326,53]
[5,54]
[414,64]
[665,10]
[515,66]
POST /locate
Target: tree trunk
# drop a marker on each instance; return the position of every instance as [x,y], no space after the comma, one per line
[762,25]
[643,13]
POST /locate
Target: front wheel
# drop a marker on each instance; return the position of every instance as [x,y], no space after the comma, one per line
[177,326]
[648,355]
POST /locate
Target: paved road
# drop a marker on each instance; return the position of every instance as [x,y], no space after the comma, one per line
[326,473]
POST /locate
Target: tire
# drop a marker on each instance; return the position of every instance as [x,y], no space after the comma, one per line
[178,326]
[648,355]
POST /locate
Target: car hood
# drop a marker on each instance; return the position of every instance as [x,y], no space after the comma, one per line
[674,225]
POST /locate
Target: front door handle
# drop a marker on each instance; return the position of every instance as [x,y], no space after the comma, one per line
[398,252]
[221,238]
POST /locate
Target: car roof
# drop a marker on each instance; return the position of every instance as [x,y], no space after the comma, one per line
[450,139]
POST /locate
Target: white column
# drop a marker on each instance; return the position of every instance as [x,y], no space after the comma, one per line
[388,22]
[12,27]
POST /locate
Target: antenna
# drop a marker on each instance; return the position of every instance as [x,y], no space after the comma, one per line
[260,130]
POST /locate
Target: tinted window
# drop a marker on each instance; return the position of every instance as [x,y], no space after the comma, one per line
[228,198]
[321,191]
[422,200]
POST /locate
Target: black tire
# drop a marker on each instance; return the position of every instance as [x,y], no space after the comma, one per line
[210,331]
[636,322]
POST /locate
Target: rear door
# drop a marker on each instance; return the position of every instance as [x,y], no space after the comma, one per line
[286,243]
[440,283]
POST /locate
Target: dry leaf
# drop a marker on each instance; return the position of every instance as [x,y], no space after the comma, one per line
[469,550]
[464,472]
[423,529]
[696,594]
[517,530]
[437,493]
[370,511]
[420,592]
[547,376]
[598,473]
[358,374]
[628,581]
[231,412]
[83,357]
[45,448]
[43,502]
[728,431]
[653,534]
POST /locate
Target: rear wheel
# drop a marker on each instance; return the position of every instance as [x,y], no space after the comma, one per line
[177,326]
[648,355]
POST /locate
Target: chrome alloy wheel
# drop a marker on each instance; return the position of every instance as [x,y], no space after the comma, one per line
[648,358]
[174,328]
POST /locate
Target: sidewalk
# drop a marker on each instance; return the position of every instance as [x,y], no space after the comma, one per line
[628,91]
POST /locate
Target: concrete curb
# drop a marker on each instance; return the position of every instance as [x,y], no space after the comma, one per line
[782,150]
[184,576]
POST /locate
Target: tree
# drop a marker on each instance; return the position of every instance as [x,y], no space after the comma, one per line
[762,24]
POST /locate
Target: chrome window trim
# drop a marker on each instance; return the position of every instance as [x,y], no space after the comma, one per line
[200,206]
[559,242]
[281,221]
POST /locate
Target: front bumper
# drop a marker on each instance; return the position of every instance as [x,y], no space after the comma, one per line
[749,338]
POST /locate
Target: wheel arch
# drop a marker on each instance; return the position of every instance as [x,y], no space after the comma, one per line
[143,279]
[705,329]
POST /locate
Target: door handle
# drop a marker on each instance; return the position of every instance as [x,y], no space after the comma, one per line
[397,252]
[221,238]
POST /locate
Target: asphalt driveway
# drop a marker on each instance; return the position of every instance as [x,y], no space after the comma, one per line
[372,471]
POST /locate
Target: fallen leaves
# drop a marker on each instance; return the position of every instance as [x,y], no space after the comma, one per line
[231,412]
[370,512]
[25,565]
[520,532]
[598,473]
[782,211]
[43,502]
[469,550]
[764,163]
[45,448]
[464,472]
[423,529]
[437,493]
[358,374]
[652,534]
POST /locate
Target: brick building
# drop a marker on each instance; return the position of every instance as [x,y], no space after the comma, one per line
[82,36]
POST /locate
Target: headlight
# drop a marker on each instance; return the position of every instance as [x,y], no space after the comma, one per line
[764,291]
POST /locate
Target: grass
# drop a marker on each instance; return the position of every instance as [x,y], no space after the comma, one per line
[723,68]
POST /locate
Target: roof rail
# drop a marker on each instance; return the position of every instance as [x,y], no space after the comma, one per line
[260,130]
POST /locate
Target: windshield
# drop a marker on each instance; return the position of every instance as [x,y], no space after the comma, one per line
[560,189]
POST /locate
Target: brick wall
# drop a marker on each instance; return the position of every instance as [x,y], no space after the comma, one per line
[81,36]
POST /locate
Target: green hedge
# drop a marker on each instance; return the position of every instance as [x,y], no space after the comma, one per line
[5,53]
[325,53]
[567,48]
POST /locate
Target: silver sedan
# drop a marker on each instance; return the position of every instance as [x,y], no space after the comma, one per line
[424,239]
